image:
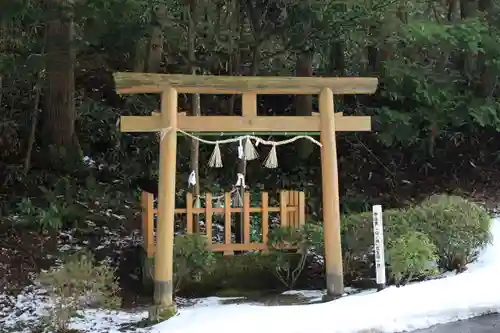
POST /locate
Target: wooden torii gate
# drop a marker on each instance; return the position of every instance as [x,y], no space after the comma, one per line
[327,123]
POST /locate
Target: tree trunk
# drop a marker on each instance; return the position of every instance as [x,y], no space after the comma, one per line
[303,103]
[155,54]
[3,38]
[140,55]
[468,9]
[196,109]
[234,69]
[488,75]
[453,12]
[59,116]
[36,110]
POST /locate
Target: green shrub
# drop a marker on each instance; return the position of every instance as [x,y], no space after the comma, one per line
[357,229]
[255,271]
[192,261]
[79,283]
[237,273]
[411,255]
[357,240]
[192,258]
[458,228]
[287,270]
[315,237]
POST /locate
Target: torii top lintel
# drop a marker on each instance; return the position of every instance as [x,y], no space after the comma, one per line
[130,83]
[137,83]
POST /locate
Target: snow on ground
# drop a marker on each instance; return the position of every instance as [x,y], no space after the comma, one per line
[419,305]
[20,314]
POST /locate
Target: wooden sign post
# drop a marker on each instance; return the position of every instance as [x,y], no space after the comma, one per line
[170,121]
[378,244]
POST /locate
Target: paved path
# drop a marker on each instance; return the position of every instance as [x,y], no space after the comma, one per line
[485,324]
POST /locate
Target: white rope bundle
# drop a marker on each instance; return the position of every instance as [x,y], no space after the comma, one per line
[248,152]
[236,198]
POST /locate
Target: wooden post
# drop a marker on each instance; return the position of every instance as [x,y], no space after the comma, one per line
[189,213]
[265,218]
[283,209]
[148,223]
[227,222]
[331,204]
[246,218]
[208,216]
[166,205]
[302,208]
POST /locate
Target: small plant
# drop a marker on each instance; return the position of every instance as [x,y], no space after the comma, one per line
[315,237]
[49,213]
[192,258]
[411,255]
[288,267]
[46,219]
[78,284]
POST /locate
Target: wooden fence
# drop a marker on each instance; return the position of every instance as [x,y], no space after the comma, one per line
[291,213]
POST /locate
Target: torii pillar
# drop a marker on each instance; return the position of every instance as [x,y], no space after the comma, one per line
[328,122]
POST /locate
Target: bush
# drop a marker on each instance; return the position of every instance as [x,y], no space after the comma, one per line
[357,239]
[357,229]
[192,261]
[458,228]
[200,272]
[237,273]
[76,285]
[246,272]
[411,255]
[192,258]
[286,270]
[316,238]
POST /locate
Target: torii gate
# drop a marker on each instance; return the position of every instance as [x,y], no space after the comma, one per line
[169,86]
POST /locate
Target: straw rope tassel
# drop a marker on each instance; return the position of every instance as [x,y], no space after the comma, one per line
[215,158]
[250,152]
[271,161]
[241,153]
[240,184]
[237,200]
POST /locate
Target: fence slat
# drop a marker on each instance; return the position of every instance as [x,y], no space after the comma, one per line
[227,222]
[265,218]
[208,216]
[228,249]
[148,231]
[189,212]
[233,210]
[302,208]
[246,218]
[296,200]
[291,202]
[283,210]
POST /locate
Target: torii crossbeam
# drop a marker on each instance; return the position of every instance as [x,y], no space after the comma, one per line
[327,123]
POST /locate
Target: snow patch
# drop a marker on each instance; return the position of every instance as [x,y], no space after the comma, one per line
[419,305]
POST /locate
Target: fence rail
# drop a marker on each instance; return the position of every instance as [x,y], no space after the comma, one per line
[291,210]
